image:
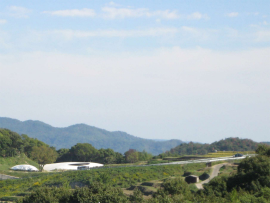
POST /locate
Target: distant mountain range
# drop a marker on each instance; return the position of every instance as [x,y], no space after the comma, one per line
[82,133]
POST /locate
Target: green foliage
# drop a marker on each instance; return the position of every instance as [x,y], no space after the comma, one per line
[94,193]
[217,186]
[131,156]
[175,186]
[251,184]
[9,199]
[252,173]
[263,150]
[108,156]
[137,196]
[12,144]
[43,155]
[47,195]
[116,177]
[144,156]
[83,152]
[204,176]
[229,144]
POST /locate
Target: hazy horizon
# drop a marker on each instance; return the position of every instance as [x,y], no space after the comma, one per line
[188,70]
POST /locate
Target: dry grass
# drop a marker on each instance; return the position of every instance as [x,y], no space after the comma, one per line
[227,153]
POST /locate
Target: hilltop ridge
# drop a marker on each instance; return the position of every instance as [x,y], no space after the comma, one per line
[81,133]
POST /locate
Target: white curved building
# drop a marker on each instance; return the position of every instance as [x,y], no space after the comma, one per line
[70,166]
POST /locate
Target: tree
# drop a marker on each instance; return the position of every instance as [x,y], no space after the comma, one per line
[43,155]
[83,152]
[263,150]
[131,156]
[106,156]
[176,186]
[144,156]
[63,155]
[137,196]
[29,143]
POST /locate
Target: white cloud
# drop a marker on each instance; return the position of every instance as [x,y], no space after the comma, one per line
[197,16]
[189,29]
[254,13]
[112,12]
[232,14]
[113,4]
[85,12]
[69,34]
[263,36]
[167,63]
[232,33]
[260,24]
[3,21]
[4,40]
[19,12]
[193,87]
[197,34]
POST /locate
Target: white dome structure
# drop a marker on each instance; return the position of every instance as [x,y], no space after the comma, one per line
[24,168]
[70,166]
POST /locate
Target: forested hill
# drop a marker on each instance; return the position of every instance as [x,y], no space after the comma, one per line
[13,144]
[81,133]
[229,144]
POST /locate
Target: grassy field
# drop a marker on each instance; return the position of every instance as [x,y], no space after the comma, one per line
[228,170]
[227,153]
[209,155]
[7,163]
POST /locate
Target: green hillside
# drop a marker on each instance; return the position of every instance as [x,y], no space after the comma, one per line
[7,162]
[229,144]
[116,177]
[81,133]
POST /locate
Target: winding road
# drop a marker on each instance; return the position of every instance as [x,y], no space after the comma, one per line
[214,173]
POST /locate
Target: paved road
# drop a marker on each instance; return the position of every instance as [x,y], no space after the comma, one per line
[207,160]
[182,162]
[214,173]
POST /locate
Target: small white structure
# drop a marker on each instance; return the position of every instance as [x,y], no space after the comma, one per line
[71,166]
[24,168]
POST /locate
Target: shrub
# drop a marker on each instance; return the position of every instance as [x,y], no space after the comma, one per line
[204,176]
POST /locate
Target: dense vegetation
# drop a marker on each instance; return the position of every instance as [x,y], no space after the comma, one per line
[84,152]
[250,184]
[229,144]
[13,144]
[116,177]
[81,133]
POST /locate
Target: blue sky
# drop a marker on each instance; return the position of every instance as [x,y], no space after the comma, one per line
[190,70]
